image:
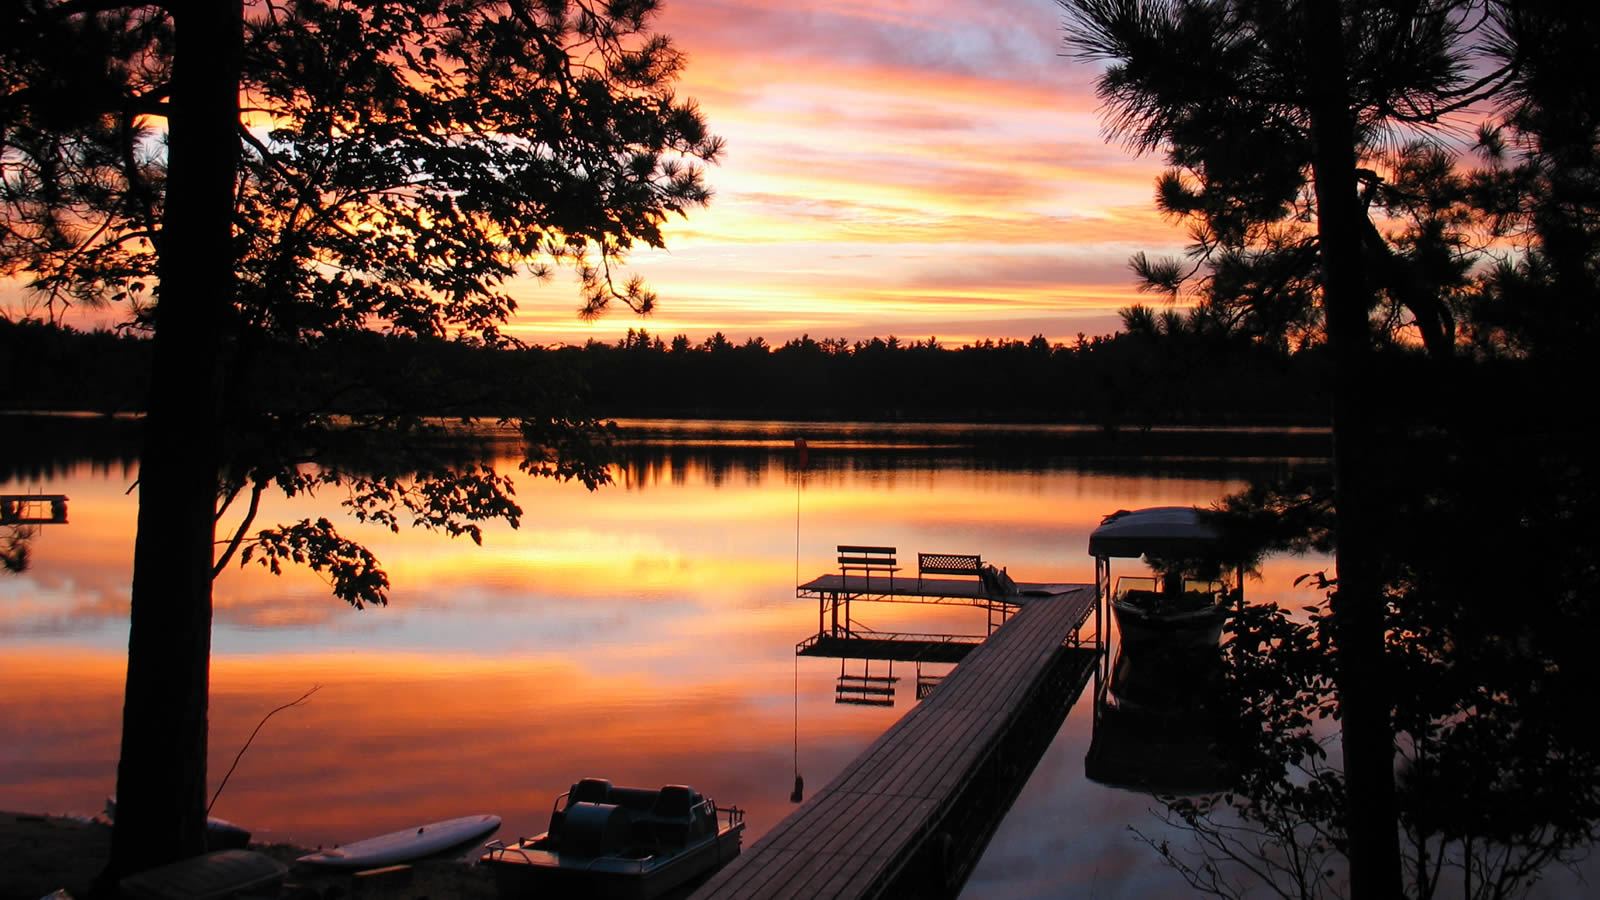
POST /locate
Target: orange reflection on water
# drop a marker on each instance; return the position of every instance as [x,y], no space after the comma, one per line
[643,633]
[397,739]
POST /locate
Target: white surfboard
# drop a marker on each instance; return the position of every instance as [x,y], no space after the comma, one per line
[403,846]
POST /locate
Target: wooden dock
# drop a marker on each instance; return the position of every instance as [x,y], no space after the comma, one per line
[839,635]
[33,509]
[909,816]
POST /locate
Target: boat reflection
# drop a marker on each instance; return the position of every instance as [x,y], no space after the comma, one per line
[1155,726]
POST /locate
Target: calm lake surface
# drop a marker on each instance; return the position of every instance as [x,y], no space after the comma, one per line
[643,633]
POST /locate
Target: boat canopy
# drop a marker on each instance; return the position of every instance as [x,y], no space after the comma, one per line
[1170,531]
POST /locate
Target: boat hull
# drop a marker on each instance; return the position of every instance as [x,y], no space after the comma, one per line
[1198,627]
[620,842]
[523,870]
[405,845]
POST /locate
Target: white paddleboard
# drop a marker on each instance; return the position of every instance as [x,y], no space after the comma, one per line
[403,846]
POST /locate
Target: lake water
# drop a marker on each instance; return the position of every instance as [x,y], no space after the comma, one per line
[643,633]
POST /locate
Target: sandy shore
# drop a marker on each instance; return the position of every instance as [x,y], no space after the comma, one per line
[42,854]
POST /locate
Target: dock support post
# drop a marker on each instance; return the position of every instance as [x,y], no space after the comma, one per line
[1102,611]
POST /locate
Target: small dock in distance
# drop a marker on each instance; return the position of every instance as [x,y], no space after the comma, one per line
[33,509]
[912,813]
[871,574]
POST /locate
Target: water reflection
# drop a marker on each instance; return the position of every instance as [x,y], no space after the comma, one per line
[662,451]
[1155,727]
[643,633]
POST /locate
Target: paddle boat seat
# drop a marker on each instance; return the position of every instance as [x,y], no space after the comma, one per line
[673,814]
[599,817]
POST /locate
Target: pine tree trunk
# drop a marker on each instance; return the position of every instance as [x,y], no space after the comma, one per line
[161,776]
[1358,604]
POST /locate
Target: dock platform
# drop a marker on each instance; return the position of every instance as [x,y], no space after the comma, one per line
[839,635]
[910,589]
[33,509]
[910,815]
[928,648]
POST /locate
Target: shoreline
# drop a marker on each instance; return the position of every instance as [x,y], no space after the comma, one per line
[42,853]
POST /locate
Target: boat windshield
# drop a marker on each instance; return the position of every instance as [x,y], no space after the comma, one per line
[1151,584]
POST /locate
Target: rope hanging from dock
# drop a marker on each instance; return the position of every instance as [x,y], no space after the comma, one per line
[799,792]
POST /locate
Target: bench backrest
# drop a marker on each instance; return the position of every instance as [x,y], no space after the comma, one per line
[949,564]
[854,557]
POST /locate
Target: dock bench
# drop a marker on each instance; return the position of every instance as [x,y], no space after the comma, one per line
[995,581]
[948,564]
[866,560]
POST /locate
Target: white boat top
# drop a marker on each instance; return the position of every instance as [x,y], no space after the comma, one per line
[1158,530]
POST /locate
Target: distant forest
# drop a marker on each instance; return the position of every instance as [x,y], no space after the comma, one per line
[1124,379]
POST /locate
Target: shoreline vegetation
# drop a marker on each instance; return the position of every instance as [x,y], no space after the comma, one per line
[1119,383]
[54,440]
[1115,381]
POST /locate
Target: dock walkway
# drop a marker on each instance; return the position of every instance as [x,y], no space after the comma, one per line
[896,801]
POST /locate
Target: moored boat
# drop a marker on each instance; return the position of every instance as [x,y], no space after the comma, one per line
[1181,614]
[619,842]
[1186,598]
[406,844]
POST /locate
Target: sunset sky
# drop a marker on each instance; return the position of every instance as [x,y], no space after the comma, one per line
[916,167]
[909,167]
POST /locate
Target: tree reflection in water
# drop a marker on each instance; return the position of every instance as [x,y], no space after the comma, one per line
[15,541]
[1489,660]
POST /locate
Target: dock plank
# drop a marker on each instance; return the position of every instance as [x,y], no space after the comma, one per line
[862,861]
[757,880]
[853,836]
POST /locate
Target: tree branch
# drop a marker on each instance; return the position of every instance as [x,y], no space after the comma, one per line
[256,489]
[240,755]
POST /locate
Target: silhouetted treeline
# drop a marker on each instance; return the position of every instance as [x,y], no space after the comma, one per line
[49,368]
[1118,379]
[1123,379]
